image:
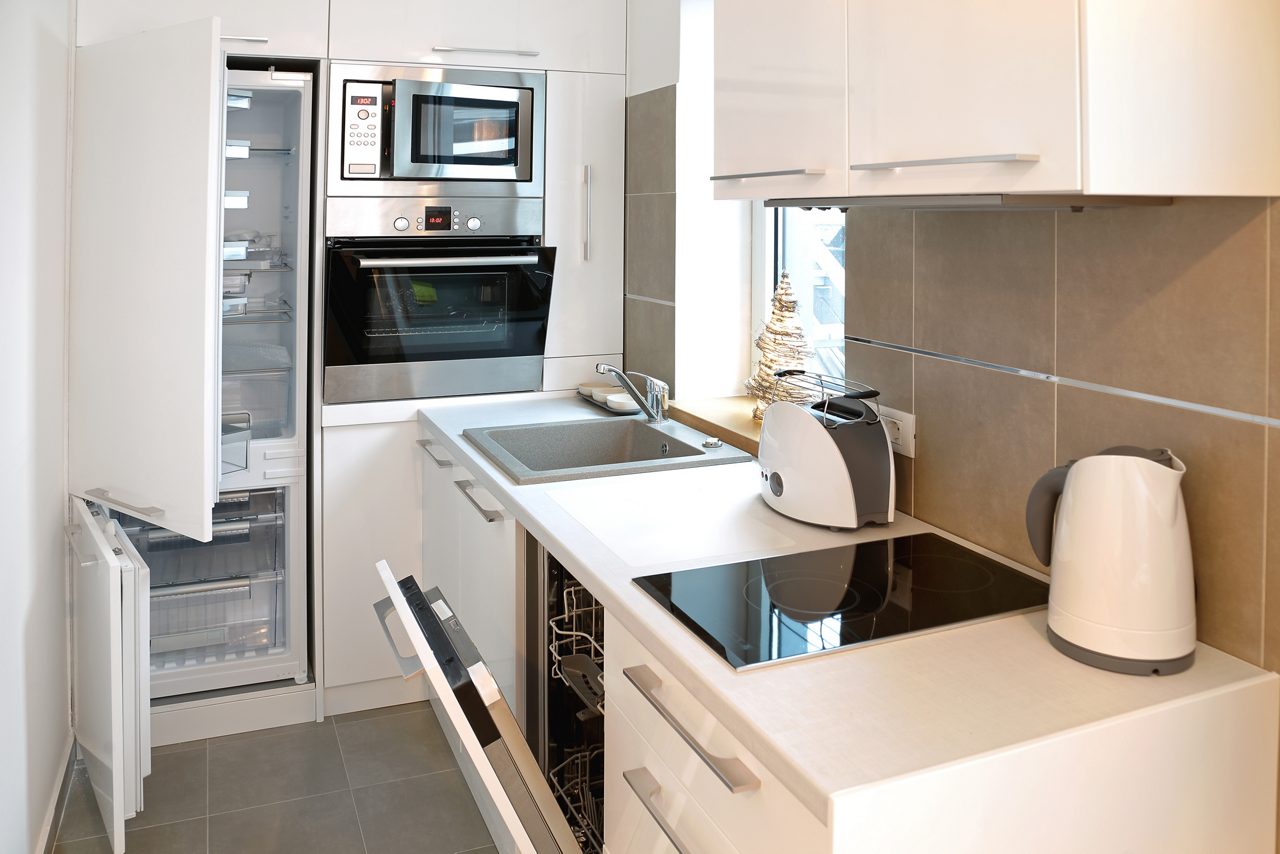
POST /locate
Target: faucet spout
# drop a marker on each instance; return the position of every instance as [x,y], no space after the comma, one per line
[652,403]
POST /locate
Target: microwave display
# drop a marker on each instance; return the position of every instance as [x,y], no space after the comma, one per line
[364,101]
[456,131]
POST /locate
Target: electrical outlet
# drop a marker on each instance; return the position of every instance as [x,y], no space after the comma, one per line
[901,427]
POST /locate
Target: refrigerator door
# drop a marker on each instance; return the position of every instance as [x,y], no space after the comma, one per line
[517,804]
[109,681]
[144,431]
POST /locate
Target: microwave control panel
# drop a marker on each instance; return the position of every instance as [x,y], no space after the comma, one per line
[362,130]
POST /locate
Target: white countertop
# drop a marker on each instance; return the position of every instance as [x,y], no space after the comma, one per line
[829,723]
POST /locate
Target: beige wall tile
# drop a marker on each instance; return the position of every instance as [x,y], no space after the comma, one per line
[651,141]
[984,286]
[904,482]
[1223,490]
[886,370]
[1167,300]
[649,340]
[1271,656]
[982,439]
[878,274]
[1274,349]
[650,248]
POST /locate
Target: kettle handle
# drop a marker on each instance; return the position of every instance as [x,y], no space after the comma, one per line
[1041,505]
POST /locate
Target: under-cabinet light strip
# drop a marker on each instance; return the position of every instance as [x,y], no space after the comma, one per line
[1191,406]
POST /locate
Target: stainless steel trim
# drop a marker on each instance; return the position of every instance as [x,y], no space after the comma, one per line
[465,487]
[777,173]
[222,586]
[946,161]
[504,51]
[409,665]
[442,378]
[105,497]
[255,39]
[976,201]
[375,217]
[469,261]
[427,445]
[404,93]
[646,787]
[586,217]
[731,771]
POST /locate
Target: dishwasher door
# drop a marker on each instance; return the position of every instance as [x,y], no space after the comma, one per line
[518,806]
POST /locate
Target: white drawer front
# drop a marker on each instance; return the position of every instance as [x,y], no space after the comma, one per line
[763,817]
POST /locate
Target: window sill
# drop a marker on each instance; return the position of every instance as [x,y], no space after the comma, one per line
[727,418]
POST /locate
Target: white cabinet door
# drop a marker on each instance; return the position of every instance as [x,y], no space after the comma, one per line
[277,28]
[586,115]
[575,35]
[780,99]
[441,515]
[478,32]
[371,477]
[110,670]
[956,100]
[146,217]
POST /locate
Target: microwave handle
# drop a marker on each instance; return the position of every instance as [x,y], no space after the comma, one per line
[468,261]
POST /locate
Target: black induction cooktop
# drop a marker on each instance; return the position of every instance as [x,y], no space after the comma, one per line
[761,611]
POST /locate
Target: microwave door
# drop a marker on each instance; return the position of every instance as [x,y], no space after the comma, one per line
[518,806]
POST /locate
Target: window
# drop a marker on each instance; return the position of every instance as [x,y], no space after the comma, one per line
[809,246]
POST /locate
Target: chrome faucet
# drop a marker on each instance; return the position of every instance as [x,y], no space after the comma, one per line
[653,403]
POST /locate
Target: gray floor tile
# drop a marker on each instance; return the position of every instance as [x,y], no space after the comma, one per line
[379,750]
[385,711]
[310,726]
[325,824]
[434,814]
[80,817]
[96,845]
[181,837]
[488,849]
[179,747]
[290,764]
[177,789]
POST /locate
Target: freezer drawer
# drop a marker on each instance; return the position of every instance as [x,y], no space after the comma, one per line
[214,620]
[240,549]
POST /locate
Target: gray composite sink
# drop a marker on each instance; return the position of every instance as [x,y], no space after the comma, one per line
[595,447]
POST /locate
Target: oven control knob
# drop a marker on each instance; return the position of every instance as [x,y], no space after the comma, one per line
[362,115]
[401,223]
[473,223]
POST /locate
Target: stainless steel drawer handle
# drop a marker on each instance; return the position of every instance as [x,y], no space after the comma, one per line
[465,487]
[255,39]
[586,216]
[469,261]
[426,446]
[777,173]
[105,496]
[409,665]
[440,48]
[731,771]
[646,787]
[946,161]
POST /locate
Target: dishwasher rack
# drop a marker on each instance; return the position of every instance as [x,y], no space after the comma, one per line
[578,783]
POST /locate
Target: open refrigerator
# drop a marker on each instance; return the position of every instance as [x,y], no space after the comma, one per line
[187,434]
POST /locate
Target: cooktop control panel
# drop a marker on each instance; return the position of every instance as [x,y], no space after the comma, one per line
[362,130]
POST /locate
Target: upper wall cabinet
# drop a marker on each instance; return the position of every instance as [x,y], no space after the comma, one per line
[780,99]
[275,28]
[1143,97]
[559,35]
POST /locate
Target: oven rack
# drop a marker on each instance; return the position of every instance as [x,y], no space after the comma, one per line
[579,784]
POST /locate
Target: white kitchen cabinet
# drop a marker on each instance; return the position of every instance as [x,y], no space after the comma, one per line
[1143,98]
[278,28]
[584,209]
[565,35]
[780,99]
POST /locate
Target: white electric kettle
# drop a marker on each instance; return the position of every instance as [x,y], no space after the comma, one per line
[1121,592]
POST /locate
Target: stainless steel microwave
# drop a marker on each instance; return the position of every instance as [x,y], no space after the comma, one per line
[435,131]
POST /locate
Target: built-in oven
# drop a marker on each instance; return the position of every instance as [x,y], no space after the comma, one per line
[434,297]
[435,131]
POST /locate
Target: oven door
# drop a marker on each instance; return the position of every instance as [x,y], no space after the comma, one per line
[518,806]
[461,132]
[434,319]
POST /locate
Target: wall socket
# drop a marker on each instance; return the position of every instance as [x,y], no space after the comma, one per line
[901,427]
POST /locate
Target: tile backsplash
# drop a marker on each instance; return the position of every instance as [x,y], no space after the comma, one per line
[1174,303]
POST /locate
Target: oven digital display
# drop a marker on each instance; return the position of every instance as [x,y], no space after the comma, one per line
[364,100]
[436,219]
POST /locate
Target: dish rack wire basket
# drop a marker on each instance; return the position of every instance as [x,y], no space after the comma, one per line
[578,782]
[577,644]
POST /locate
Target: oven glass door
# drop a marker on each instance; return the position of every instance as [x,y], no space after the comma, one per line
[453,131]
[393,304]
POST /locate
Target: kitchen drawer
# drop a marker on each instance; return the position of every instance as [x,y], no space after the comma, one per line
[760,817]
[634,771]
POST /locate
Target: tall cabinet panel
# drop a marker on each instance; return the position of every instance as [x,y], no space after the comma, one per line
[277,28]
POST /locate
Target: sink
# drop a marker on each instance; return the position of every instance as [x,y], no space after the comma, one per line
[595,447]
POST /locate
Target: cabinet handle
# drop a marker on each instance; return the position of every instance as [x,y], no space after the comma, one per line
[105,496]
[409,665]
[731,771]
[465,487]
[469,261]
[646,787]
[255,39]
[426,446]
[946,161]
[774,174]
[505,51]
[586,230]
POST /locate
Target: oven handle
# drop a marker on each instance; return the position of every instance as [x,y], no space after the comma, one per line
[469,261]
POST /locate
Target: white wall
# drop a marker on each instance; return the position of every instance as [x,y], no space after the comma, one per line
[34,701]
[653,44]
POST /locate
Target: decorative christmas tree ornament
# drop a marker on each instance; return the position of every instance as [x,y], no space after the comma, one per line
[782,346]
